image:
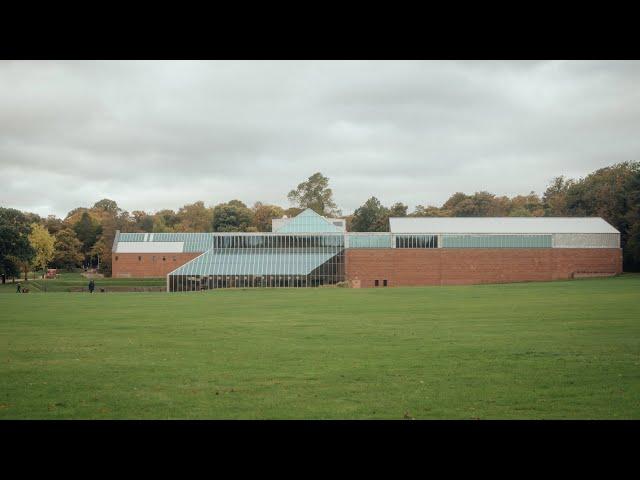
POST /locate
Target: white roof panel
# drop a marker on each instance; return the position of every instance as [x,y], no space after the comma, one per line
[150,247]
[500,225]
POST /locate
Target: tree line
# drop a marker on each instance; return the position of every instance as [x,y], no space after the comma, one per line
[85,236]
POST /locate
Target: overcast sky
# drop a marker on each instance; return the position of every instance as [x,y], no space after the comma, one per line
[155,135]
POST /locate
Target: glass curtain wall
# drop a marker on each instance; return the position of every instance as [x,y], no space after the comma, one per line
[264,260]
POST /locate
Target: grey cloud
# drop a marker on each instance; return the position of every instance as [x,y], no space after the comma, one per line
[155,135]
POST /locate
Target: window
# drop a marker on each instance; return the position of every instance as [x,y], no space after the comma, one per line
[154,258]
[384,283]
[116,258]
[377,283]
[139,259]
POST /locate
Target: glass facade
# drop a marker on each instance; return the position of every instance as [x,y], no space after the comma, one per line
[416,241]
[496,241]
[368,240]
[264,260]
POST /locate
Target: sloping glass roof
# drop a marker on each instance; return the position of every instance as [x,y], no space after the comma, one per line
[271,262]
[308,221]
[192,242]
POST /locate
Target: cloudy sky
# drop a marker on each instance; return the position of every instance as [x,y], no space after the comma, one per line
[155,135]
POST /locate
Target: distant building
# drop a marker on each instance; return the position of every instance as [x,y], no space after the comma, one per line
[310,250]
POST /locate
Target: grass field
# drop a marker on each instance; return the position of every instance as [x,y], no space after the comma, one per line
[531,350]
[73,281]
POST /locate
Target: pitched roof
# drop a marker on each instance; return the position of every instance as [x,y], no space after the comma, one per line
[308,221]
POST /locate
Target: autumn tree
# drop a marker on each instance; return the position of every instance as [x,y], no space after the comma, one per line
[42,244]
[165,221]
[67,250]
[398,209]
[87,230]
[316,195]
[195,217]
[53,224]
[554,199]
[429,211]
[233,216]
[142,222]
[263,214]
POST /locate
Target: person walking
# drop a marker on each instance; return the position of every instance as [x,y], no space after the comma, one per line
[18,291]
[92,286]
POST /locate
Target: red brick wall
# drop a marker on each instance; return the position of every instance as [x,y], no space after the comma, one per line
[128,265]
[457,266]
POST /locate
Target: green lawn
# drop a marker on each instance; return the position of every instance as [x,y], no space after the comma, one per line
[529,350]
[72,281]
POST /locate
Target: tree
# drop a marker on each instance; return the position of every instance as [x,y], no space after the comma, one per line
[429,211]
[372,216]
[527,206]
[263,214]
[67,250]
[554,199]
[53,224]
[316,195]
[398,209]
[610,193]
[165,221]
[15,249]
[233,216]
[195,217]
[142,221]
[106,205]
[87,229]
[42,243]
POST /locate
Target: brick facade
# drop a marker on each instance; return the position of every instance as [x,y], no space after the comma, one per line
[449,266]
[139,265]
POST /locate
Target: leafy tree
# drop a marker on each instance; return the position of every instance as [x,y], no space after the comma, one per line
[53,224]
[554,199]
[15,249]
[107,205]
[142,221]
[42,243]
[67,250]
[195,217]
[528,205]
[454,200]
[292,212]
[610,193]
[398,209]
[316,195]
[429,211]
[165,221]
[233,216]
[87,230]
[263,214]
[372,216]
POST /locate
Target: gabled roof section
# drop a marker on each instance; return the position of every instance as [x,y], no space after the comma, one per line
[500,225]
[308,221]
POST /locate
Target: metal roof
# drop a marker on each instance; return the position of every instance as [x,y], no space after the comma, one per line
[499,225]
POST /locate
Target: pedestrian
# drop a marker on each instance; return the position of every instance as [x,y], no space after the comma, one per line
[92,286]
[18,291]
